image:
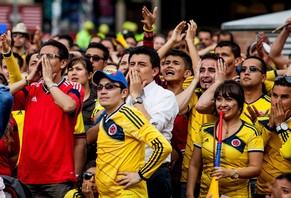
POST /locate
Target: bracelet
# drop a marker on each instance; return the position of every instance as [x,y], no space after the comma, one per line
[52,85]
[7,54]
[27,81]
[147,30]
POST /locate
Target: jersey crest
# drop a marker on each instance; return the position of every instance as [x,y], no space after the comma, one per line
[235,142]
[113,130]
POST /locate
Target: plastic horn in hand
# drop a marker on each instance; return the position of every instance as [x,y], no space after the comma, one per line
[121,40]
[214,189]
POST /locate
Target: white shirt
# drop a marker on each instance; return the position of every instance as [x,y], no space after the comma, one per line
[162,106]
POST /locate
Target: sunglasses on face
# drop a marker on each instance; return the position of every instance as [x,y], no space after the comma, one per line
[94,57]
[283,78]
[88,175]
[108,86]
[48,55]
[252,69]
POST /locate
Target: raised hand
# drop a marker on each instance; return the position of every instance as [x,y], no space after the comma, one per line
[148,17]
[191,31]
[177,34]
[6,41]
[220,71]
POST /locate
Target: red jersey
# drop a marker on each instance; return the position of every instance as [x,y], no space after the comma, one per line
[47,153]
[8,150]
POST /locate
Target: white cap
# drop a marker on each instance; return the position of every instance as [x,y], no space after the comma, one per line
[267,47]
[20,28]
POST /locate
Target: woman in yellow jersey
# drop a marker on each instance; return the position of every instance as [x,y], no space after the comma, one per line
[241,152]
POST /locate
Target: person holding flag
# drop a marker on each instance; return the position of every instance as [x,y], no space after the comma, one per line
[241,148]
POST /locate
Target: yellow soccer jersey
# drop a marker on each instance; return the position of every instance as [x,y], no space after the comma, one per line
[195,121]
[121,148]
[276,148]
[234,154]
[79,127]
[262,104]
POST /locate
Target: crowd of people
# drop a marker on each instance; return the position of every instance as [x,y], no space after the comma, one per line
[119,117]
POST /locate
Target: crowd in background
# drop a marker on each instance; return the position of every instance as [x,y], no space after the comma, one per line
[180,82]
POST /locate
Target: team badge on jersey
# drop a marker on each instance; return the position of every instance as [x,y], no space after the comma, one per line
[112,129]
[236,142]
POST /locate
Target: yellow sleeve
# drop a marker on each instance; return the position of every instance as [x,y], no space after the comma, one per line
[79,126]
[161,149]
[97,108]
[271,75]
[261,124]
[187,82]
[147,133]
[285,150]
[13,69]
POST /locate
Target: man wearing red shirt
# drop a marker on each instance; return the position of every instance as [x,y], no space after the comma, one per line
[52,104]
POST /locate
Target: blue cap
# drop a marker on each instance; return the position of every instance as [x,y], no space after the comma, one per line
[111,74]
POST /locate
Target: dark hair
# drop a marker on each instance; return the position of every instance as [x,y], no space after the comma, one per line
[19,59]
[263,64]
[231,88]
[3,78]
[68,38]
[225,32]
[154,57]
[87,63]
[185,57]
[235,48]
[284,81]
[101,47]
[90,164]
[63,51]
[205,29]
[28,57]
[211,56]
[110,40]
[286,176]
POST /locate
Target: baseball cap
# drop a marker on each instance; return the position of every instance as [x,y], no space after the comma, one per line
[267,47]
[20,28]
[111,74]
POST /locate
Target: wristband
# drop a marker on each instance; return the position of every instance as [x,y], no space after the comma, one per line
[27,81]
[7,54]
[147,30]
[52,85]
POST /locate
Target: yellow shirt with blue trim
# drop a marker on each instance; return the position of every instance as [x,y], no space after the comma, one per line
[262,104]
[195,121]
[276,156]
[234,155]
[121,148]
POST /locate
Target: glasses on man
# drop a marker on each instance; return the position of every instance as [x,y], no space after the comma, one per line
[88,175]
[107,86]
[94,57]
[283,79]
[252,69]
[48,55]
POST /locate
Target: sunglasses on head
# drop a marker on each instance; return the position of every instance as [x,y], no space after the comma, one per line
[251,69]
[94,57]
[88,175]
[283,78]
[108,86]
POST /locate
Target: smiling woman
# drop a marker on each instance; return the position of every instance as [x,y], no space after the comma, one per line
[242,147]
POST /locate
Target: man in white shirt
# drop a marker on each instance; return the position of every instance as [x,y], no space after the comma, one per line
[157,104]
